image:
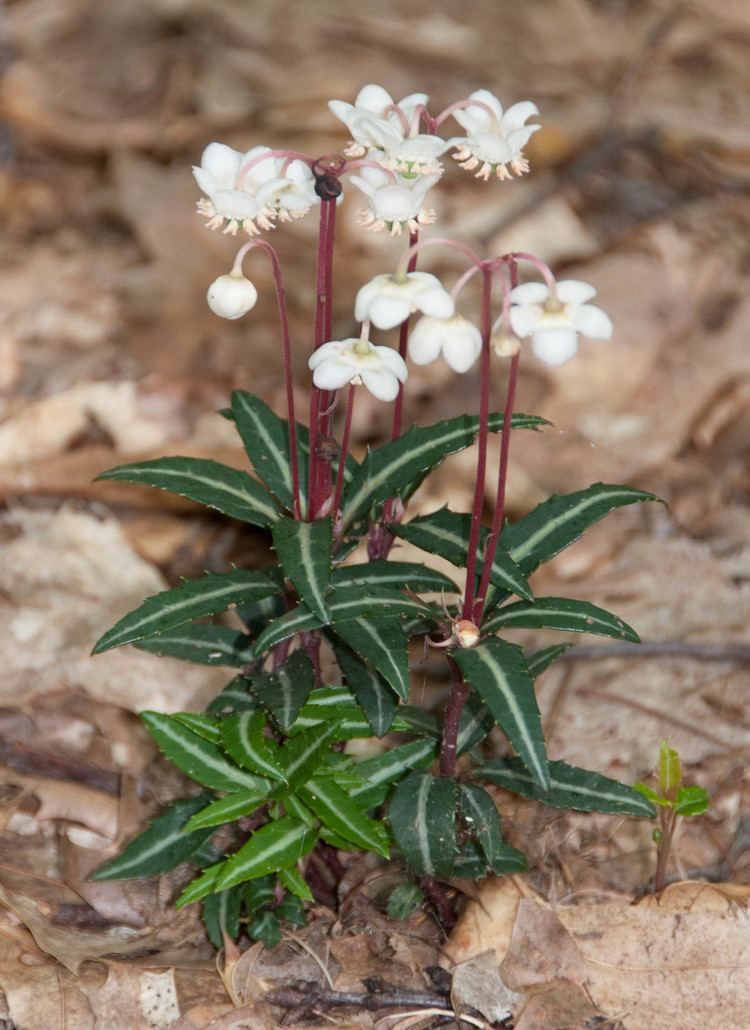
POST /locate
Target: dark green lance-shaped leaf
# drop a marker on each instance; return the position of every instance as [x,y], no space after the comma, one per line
[379,773]
[482,820]
[229,490]
[266,440]
[221,915]
[476,722]
[201,886]
[344,604]
[404,899]
[274,846]
[382,644]
[304,550]
[193,599]
[293,881]
[258,893]
[244,742]
[472,863]
[446,533]
[403,463]
[255,616]
[569,787]
[235,697]
[160,847]
[560,520]
[498,672]
[204,645]
[302,754]
[540,661]
[422,815]
[417,720]
[227,809]
[291,910]
[340,813]
[203,725]
[398,574]
[265,926]
[198,758]
[560,613]
[284,691]
[370,689]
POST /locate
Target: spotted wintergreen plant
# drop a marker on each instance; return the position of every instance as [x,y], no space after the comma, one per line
[321,644]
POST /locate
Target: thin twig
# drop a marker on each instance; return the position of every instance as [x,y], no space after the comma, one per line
[731,652]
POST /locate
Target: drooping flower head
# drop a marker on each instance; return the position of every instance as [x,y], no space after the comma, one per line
[396,204]
[456,338]
[247,191]
[356,360]
[553,321]
[494,140]
[388,300]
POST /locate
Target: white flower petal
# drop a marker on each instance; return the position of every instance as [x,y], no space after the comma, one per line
[485,97]
[205,180]
[263,171]
[222,162]
[592,321]
[231,296]
[518,139]
[425,341]
[516,115]
[392,361]
[365,294]
[436,302]
[387,311]
[382,383]
[529,293]
[235,204]
[525,318]
[573,291]
[332,375]
[373,98]
[341,109]
[462,350]
[555,346]
[329,350]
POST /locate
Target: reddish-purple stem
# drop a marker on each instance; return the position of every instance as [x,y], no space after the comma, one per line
[319,398]
[452,721]
[344,450]
[484,412]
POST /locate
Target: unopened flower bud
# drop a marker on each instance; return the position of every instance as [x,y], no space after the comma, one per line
[466,633]
[505,344]
[231,296]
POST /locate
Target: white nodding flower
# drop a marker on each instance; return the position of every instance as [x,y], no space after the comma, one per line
[396,202]
[415,155]
[231,296]
[356,360]
[240,199]
[494,140]
[459,341]
[369,120]
[388,300]
[554,320]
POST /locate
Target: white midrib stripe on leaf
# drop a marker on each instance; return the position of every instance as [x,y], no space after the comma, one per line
[543,612]
[423,836]
[573,788]
[292,768]
[160,845]
[234,805]
[281,460]
[217,764]
[287,694]
[388,772]
[280,845]
[243,723]
[304,538]
[374,635]
[519,552]
[501,679]
[179,605]
[470,726]
[457,540]
[217,485]
[224,647]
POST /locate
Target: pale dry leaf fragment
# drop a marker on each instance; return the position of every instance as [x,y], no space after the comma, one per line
[477,984]
[157,996]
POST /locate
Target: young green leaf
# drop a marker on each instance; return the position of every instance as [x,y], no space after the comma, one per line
[372,692]
[302,754]
[304,550]
[201,886]
[562,519]
[670,769]
[422,815]
[291,910]
[398,574]
[293,881]
[405,462]
[228,490]
[284,691]
[227,809]
[652,796]
[221,915]
[193,599]
[691,801]
[560,613]
[340,813]
[198,758]
[204,645]
[540,661]
[382,645]
[160,847]
[498,672]
[274,846]
[405,898]
[244,742]
[569,787]
[446,533]
[258,893]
